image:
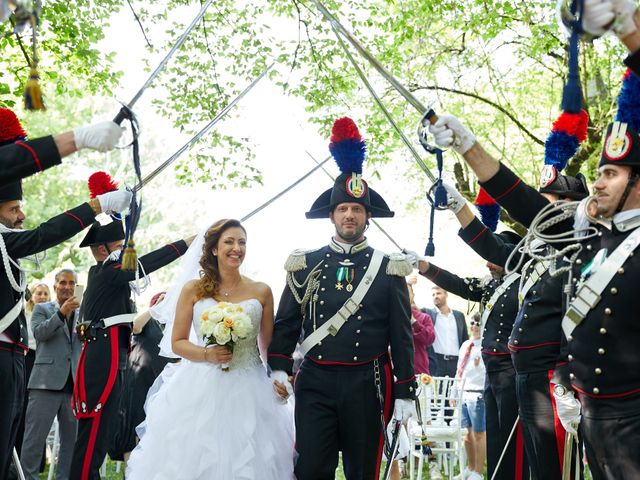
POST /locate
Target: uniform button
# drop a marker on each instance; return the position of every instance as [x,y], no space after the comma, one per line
[324,277]
[572,376]
[569,338]
[499,332]
[326,266]
[357,344]
[359,317]
[614,291]
[366,255]
[529,304]
[319,357]
[501,324]
[364,268]
[501,315]
[106,335]
[589,247]
[533,293]
[505,296]
[497,339]
[598,371]
[525,315]
[328,255]
[515,342]
[355,359]
[502,305]
[607,311]
[570,357]
[620,271]
[321,315]
[322,289]
[601,351]
[321,302]
[596,390]
[578,261]
[21,339]
[495,349]
[358,331]
[603,331]
[520,330]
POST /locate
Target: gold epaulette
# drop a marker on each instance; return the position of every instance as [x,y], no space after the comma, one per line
[297,260]
[398,265]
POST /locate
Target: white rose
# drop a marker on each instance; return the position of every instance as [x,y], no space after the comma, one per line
[221,333]
[206,328]
[216,314]
[243,325]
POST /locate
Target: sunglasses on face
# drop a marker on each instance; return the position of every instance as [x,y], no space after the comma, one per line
[472,323]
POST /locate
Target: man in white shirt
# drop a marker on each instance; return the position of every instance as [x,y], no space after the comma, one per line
[451,332]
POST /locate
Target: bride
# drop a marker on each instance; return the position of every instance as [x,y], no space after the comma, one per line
[205,422]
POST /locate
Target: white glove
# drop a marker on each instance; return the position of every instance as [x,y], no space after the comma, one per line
[448,132]
[114,202]
[282,377]
[404,409]
[624,23]
[568,411]
[412,257]
[101,136]
[455,200]
[598,16]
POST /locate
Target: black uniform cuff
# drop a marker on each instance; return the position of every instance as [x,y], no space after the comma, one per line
[181,246]
[83,214]
[633,62]
[406,389]
[501,184]
[46,151]
[280,362]
[473,231]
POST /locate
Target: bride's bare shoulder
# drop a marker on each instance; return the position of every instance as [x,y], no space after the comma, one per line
[190,288]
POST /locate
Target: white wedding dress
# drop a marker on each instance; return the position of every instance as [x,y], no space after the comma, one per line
[207,424]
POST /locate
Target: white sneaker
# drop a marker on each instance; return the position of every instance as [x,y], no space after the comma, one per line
[465,474]
[434,471]
[475,476]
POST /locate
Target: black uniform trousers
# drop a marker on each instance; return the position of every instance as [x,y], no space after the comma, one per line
[29,360]
[337,409]
[501,410]
[12,393]
[612,446]
[95,437]
[543,433]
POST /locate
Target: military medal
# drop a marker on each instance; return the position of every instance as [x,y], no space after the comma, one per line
[347,275]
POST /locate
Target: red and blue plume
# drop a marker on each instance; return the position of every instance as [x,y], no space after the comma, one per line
[629,101]
[10,128]
[569,130]
[347,147]
[101,182]
[488,208]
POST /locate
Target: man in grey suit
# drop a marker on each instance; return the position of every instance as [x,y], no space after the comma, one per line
[451,332]
[51,383]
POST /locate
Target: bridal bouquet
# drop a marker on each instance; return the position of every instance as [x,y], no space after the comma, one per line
[224,324]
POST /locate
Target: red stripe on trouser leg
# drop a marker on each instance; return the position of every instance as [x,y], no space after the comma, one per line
[519,453]
[388,410]
[88,454]
[557,425]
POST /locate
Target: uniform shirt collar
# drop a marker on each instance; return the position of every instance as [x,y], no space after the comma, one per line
[347,248]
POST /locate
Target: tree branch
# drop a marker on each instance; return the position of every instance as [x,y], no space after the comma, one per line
[512,117]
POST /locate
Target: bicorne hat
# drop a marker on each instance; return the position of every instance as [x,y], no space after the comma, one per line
[100,234]
[348,150]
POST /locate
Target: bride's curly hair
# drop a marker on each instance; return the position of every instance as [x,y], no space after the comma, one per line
[209,283]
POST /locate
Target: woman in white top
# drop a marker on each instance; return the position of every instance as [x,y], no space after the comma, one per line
[471,368]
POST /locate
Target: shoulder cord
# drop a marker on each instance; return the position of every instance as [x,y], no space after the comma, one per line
[310,282]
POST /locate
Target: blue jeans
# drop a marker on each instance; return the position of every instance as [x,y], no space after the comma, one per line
[473,414]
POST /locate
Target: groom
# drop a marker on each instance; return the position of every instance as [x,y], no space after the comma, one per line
[351,303]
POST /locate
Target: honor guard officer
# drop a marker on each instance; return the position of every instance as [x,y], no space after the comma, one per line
[107,312]
[16,244]
[20,158]
[536,341]
[351,304]
[498,296]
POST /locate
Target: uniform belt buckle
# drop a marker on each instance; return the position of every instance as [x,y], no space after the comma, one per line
[333,330]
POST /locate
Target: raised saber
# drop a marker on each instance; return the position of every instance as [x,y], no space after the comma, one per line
[202,132]
[426,112]
[122,114]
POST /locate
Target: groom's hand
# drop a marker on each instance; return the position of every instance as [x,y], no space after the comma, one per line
[282,384]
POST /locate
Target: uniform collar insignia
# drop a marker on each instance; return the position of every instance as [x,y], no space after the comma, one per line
[345,248]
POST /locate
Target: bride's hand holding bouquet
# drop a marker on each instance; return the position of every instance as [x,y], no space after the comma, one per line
[224,324]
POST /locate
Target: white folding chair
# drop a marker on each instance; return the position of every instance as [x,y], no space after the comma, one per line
[441,423]
[53,442]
